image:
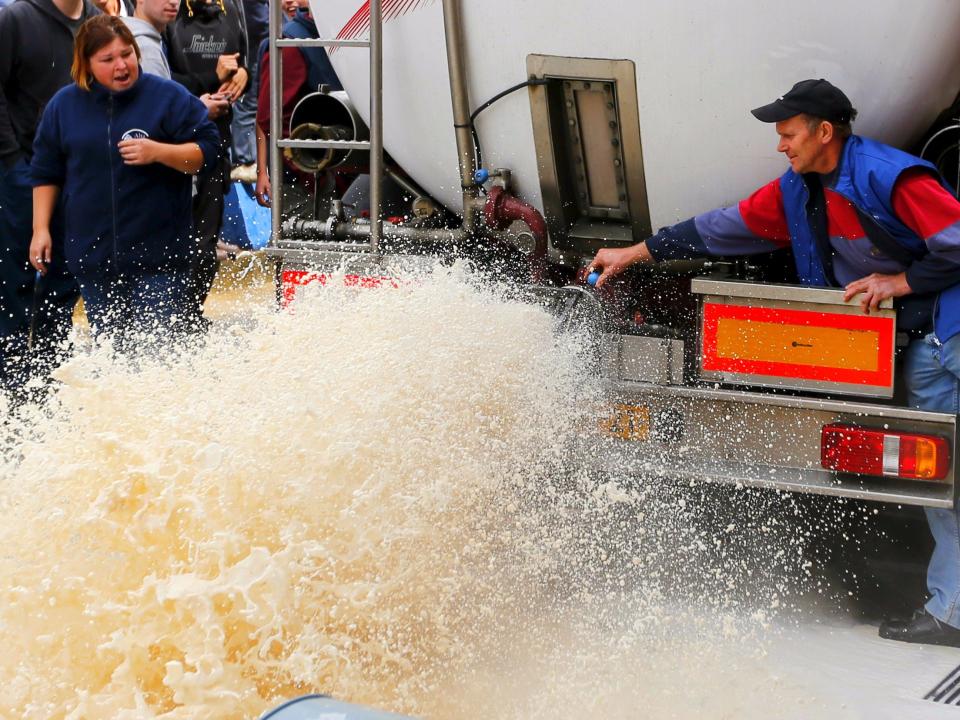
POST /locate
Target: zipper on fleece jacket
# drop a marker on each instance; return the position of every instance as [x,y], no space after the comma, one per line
[113,180]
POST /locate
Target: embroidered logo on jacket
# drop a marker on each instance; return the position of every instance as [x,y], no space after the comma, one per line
[135,134]
[208,47]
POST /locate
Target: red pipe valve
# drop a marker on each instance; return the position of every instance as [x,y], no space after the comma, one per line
[502,209]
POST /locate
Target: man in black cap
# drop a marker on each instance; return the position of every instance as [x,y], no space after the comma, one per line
[877,222]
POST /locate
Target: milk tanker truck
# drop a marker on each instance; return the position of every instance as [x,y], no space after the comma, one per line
[526,135]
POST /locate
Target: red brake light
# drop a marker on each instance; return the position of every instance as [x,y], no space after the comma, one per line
[870,451]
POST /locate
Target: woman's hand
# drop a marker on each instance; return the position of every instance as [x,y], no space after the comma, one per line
[227,65]
[264,190]
[235,85]
[41,249]
[139,151]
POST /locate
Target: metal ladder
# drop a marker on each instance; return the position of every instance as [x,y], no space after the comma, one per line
[374,145]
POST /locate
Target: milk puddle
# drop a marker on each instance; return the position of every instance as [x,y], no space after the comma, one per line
[371,497]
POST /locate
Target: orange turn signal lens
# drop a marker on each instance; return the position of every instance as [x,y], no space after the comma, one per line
[870,451]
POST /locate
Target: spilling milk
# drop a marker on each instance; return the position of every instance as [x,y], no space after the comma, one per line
[373,497]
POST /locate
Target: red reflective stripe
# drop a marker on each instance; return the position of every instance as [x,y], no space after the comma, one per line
[291,280]
[923,204]
[842,220]
[764,216]
[713,313]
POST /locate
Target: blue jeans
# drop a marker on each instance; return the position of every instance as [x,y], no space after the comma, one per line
[244,151]
[138,310]
[933,383]
[35,314]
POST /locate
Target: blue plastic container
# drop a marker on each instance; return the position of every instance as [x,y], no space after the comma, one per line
[323,707]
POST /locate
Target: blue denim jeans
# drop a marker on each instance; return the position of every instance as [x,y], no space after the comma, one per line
[244,150]
[139,311]
[31,309]
[933,383]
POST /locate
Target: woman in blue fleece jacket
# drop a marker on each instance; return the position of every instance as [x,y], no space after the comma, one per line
[121,147]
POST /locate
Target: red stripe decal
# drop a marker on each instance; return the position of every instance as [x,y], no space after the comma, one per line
[359,24]
[293,279]
[884,327]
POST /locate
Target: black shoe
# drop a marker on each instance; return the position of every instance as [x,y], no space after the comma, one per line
[921,628]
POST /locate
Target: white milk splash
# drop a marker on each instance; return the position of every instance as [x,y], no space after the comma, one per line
[371,497]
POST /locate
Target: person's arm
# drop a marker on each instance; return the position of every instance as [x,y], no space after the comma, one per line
[264,189]
[185,121]
[755,225]
[922,204]
[185,157]
[236,84]
[41,246]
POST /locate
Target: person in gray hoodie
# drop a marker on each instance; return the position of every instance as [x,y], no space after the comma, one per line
[150,18]
[36,37]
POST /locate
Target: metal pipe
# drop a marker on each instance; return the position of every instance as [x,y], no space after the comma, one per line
[274,159]
[376,124]
[410,187]
[452,23]
[502,209]
[312,231]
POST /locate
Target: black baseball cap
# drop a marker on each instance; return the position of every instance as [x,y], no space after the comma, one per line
[812,97]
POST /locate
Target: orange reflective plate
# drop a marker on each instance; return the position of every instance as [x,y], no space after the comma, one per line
[802,344]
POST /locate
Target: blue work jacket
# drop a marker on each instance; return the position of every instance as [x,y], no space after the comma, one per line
[118,217]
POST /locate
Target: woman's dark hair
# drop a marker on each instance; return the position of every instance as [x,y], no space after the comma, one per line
[97,32]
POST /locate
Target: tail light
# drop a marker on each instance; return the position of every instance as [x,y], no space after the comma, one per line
[869,451]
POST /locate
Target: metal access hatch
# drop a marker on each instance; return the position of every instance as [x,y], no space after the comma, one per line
[586,128]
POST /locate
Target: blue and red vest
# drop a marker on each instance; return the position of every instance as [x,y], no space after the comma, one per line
[867,174]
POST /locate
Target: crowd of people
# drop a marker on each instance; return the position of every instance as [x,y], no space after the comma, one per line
[109,108]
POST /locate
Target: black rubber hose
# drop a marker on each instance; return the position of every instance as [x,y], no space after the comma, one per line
[478,152]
